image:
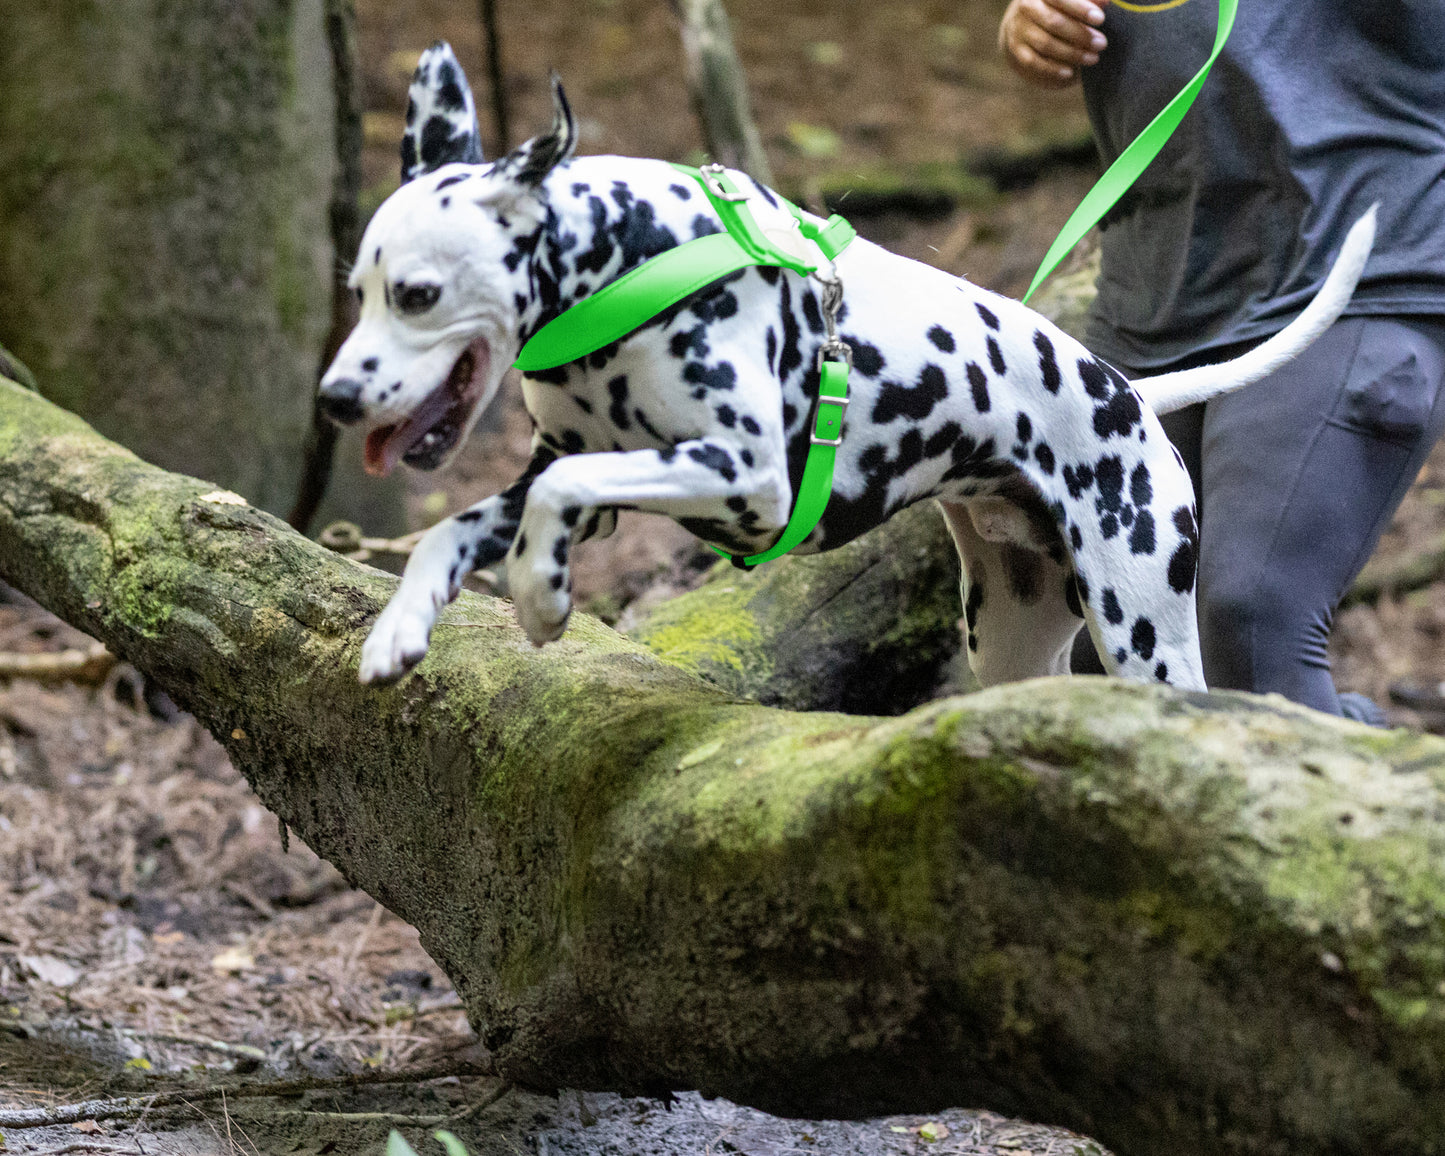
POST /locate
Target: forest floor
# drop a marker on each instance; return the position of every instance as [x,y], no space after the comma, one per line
[157,932]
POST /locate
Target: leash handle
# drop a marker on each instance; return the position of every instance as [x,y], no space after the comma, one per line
[1127,168]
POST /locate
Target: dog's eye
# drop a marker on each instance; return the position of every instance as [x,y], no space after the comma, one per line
[417,298]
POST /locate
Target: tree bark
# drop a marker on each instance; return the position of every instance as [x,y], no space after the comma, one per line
[165,260]
[1178,922]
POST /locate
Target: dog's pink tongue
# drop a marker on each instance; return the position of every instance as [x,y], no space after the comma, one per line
[382,451]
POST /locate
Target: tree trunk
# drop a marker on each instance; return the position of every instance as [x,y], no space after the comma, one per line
[165,257]
[719,88]
[1179,922]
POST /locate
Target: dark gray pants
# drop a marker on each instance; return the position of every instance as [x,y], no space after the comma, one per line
[1296,477]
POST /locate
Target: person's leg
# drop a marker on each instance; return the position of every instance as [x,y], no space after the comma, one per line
[1301,473]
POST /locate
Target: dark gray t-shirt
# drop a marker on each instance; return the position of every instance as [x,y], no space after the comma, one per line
[1315,109]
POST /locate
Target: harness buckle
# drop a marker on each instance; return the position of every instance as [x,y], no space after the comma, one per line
[712,177]
[842,404]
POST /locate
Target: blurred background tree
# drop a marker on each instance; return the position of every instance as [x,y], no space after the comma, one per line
[167,173]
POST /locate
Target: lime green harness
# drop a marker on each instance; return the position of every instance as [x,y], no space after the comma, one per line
[637,296]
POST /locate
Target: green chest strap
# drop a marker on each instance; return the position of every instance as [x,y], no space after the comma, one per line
[637,296]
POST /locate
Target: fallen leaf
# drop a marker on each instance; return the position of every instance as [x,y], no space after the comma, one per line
[233,960]
[933,1131]
[140,1064]
[48,969]
[89,1127]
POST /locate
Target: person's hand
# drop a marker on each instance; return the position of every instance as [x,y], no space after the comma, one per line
[1048,41]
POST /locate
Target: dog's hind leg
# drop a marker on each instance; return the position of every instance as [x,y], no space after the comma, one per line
[1020,612]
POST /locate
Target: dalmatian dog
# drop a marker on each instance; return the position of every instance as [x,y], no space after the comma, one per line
[1066,500]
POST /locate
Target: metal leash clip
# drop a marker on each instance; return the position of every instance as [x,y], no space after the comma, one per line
[834,348]
[833,351]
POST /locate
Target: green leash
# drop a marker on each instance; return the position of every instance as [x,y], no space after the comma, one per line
[621,306]
[1133,160]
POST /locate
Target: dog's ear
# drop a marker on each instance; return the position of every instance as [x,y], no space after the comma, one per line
[441,117]
[531,162]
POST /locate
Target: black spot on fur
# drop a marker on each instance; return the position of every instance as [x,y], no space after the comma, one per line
[995,357]
[942,338]
[521,544]
[571,515]
[1161,673]
[1045,457]
[454,179]
[1142,639]
[449,93]
[1141,537]
[737,504]
[726,416]
[1183,563]
[1078,479]
[978,383]
[559,550]
[751,426]
[916,403]
[939,442]
[971,608]
[867,360]
[1021,568]
[987,314]
[1096,381]
[812,314]
[719,376]
[716,459]
[681,192]
[1048,366]
[772,348]
[1113,612]
[689,343]
[1119,416]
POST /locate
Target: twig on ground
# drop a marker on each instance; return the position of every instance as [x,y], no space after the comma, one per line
[89,666]
[127,1106]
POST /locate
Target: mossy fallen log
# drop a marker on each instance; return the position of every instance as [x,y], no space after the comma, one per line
[867,628]
[1179,923]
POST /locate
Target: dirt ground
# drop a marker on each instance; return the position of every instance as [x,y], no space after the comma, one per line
[156,931]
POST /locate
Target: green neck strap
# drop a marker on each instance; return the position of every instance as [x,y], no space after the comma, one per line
[621,306]
[1133,160]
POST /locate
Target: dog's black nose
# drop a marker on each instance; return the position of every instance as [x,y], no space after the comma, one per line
[341,401]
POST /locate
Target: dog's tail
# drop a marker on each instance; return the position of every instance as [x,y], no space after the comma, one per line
[1171,391]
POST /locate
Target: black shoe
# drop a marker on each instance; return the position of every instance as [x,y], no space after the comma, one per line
[1358,708]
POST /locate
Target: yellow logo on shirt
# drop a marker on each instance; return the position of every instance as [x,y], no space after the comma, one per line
[1160,7]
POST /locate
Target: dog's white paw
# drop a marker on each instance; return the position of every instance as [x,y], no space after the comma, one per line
[397,642]
[542,607]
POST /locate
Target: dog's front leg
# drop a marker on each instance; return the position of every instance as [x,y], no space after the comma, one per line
[695,479]
[449,551]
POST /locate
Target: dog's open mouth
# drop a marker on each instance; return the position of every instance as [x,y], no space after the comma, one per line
[428,435]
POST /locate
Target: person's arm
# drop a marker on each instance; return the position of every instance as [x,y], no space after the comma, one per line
[1048,41]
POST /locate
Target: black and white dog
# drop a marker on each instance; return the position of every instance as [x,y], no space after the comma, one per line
[1065,498]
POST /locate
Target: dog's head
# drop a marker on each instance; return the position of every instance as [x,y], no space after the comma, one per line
[436,277]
